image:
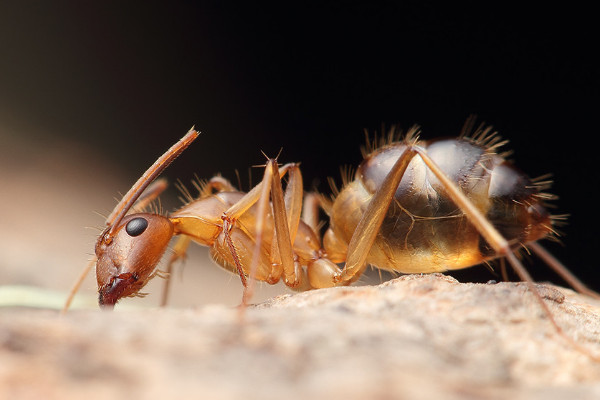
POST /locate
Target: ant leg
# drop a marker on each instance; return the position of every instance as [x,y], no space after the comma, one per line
[258,195]
[503,270]
[286,218]
[496,241]
[310,210]
[239,208]
[261,219]
[323,272]
[179,253]
[150,194]
[77,284]
[293,198]
[218,184]
[368,226]
[561,270]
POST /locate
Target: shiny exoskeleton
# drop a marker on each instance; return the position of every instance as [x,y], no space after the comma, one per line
[424,230]
[413,207]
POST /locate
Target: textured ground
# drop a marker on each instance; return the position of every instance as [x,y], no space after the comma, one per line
[425,337]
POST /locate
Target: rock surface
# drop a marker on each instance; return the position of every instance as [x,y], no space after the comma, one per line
[416,337]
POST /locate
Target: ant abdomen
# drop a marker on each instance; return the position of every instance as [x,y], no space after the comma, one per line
[424,230]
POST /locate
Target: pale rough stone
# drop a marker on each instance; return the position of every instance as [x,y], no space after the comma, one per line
[416,337]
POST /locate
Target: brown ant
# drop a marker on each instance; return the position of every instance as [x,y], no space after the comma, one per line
[414,206]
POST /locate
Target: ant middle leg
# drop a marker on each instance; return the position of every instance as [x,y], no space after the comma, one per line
[286,217]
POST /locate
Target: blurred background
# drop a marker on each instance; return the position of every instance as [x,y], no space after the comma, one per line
[91,93]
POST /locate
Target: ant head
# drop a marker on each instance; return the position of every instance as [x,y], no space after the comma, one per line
[132,245]
[128,254]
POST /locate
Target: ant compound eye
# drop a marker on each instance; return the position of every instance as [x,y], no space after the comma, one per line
[136,226]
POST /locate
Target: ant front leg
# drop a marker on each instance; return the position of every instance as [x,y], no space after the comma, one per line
[279,260]
[179,253]
[286,217]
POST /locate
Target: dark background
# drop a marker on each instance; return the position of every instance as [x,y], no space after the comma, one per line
[128,79]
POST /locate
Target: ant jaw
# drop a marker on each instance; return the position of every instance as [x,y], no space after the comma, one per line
[107,307]
[119,286]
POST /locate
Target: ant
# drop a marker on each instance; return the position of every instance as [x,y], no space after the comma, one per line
[414,206]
